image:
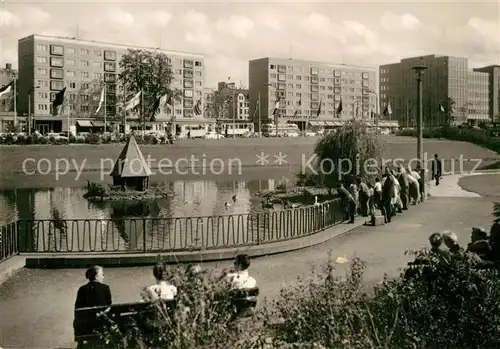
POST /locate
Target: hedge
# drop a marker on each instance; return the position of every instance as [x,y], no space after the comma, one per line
[479,137]
[92,138]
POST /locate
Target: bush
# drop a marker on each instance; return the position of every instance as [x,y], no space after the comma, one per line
[72,139]
[92,138]
[42,140]
[476,136]
[282,184]
[21,139]
[97,190]
[9,139]
[52,139]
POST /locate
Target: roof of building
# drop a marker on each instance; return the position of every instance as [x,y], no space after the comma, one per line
[75,40]
[332,65]
[131,162]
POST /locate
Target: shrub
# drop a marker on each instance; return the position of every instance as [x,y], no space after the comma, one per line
[282,184]
[80,139]
[92,138]
[52,139]
[42,140]
[9,139]
[72,139]
[97,190]
[21,139]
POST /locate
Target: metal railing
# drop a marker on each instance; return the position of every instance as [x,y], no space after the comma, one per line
[8,241]
[173,234]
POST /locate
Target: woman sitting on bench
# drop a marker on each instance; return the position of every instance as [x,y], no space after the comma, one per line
[239,278]
[162,289]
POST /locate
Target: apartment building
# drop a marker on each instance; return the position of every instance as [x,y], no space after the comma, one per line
[208,102]
[232,102]
[47,64]
[493,90]
[302,85]
[446,78]
[477,105]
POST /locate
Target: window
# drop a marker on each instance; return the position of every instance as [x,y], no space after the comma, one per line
[314,97]
[56,62]
[56,73]
[314,71]
[84,63]
[110,66]
[365,83]
[41,47]
[42,83]
[365,91]
[71,62]
[98,53]
[197,83]
[178,61]
[188,63]
[336,81]
[42,107]
[281,77]
[56,85]
[96,98]
[314,88]
[322,79]
[290,86]
[281,68]
[70,50]
[188,83]
[84,85]
[96,64]
[56,50]
[52,96]
[337,73]
[109,77]
[198,93]
[314,79]
[41,71]
[272,66]
[84,52]
[314,105]
[289,77]
[365,75]
[84,108]
[188,113]
[188,74]
[178,71]
[41,59]
[188,93]
[298,86]
[273,76]
[72,85]
[84,74]
[188,103]
[109,55]
[197,73]
[42,95]
[281,87]
[329,96]
[70,73]
[97,76]
[197,64]
[85,98]
[337,90]
[298,94]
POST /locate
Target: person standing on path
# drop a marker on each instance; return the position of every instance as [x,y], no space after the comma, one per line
[347,202]
[436,169]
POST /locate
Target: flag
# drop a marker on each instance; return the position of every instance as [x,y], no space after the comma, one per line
[299,104]
[160,104]
[387,110]
[357,110]
[340,108]
[441,108]
[58,101]
[319,108]
[197,107]
[134,101]
[6,89]
[101,101]
[372,115]
[276,107]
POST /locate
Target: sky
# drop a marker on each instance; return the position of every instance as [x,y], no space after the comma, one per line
[229,34]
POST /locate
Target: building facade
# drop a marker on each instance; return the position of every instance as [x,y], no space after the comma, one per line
[477,106]
[7,115]
[303,85]
[48,64]
[232,102]
[445,83]
[493,72]
[208,102]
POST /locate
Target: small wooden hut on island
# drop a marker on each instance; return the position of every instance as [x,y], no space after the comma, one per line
[131,169]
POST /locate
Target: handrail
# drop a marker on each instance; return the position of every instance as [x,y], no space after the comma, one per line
[176,234]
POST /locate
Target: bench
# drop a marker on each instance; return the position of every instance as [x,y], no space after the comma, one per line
[244,301]
[87,320]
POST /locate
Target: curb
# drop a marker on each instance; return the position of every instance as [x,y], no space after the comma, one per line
[10,267]
[113,260]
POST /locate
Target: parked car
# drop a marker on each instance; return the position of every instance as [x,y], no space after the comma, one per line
[213,135]
[310,134]
[56,136]
[291,134]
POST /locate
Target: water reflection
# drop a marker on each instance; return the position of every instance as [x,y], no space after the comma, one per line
[192,198]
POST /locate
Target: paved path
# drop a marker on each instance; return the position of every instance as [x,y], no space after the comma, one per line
[37,305]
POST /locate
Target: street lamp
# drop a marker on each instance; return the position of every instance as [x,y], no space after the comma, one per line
[32,89]
[419,72]
[377,110]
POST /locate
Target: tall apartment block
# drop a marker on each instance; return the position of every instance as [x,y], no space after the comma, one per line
[446,77]
[310,83]
[47,64]
[493,72]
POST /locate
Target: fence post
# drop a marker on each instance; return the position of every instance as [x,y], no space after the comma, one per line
[144,235]
[18,240]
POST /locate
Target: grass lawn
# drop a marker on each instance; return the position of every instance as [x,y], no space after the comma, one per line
[485,185]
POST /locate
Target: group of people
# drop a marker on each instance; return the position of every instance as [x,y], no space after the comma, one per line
[96,293]
[391,194]
[483,248]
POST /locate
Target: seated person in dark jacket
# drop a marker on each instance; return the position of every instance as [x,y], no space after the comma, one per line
[479,243]
[94,293]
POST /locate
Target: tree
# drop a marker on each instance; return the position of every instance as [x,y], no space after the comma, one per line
[449,106]
[149,72]
[350,152]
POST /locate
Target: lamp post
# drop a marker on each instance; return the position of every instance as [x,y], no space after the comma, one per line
[278,112]
[419,72]
[377,110]
[31,90]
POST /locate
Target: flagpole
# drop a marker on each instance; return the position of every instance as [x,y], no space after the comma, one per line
[260,125]
[15,100]
[142,113]
[235,103]
[105,126]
